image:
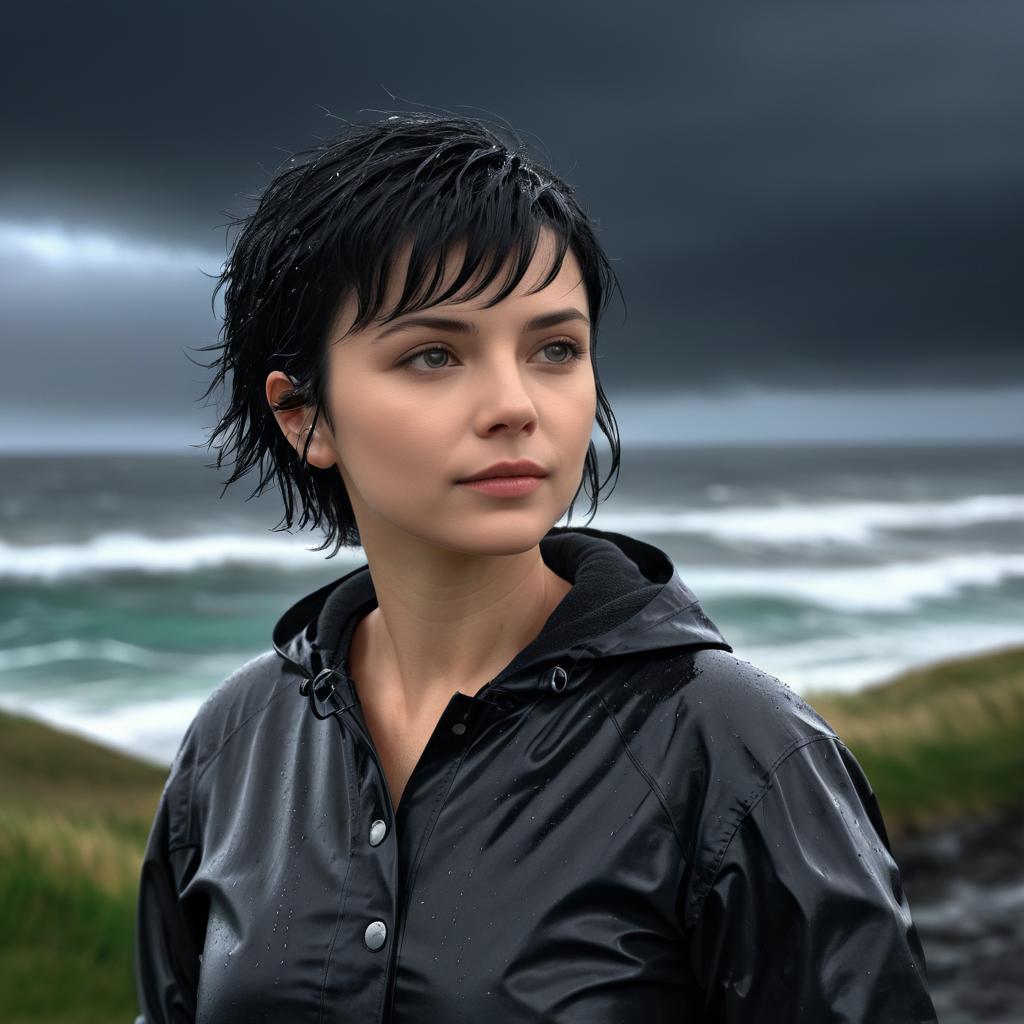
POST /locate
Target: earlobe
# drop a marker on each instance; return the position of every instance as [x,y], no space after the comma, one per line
[320,454]
[299,438]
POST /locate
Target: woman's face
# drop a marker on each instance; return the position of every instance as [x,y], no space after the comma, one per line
[418,407]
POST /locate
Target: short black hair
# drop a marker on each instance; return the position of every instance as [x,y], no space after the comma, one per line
[329,225]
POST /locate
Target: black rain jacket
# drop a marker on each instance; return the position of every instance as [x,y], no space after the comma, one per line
[628,824]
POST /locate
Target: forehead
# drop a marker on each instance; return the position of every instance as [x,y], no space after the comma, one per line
[566,285]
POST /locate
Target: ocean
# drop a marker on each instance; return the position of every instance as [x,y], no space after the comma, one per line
[129,588]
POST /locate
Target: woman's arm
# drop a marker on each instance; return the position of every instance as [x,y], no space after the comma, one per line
[169,933]
[805,918]
[166,953]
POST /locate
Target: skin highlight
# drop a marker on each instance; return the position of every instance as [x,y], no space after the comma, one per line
[459,578]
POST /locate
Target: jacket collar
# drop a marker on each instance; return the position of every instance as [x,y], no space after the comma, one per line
[627,597]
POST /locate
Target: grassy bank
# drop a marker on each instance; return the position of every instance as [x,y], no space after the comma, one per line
[945,741]
[939,743]
[74,817]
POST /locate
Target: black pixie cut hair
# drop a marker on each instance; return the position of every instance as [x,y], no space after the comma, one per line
[328,226]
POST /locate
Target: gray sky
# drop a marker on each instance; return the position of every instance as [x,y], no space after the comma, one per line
[799,199]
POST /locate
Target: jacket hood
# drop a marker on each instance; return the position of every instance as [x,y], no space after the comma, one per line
[627,597]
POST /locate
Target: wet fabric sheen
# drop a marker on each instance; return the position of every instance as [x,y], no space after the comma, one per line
[628,824]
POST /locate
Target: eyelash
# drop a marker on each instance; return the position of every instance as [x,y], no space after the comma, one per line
[576,351]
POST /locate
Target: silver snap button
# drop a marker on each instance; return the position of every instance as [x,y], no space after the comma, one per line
[458,728]
[378,830]
[376,933]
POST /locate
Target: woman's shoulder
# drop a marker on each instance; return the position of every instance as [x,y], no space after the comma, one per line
[237,701]
[709,708]
[235,704]
[710,729]
[729,698]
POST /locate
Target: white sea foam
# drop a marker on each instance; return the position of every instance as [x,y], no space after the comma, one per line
[850,663]
[890,586]
[106,649]
[122,552]
[854,524]
[899,586]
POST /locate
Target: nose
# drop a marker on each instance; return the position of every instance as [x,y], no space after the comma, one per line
[505,399]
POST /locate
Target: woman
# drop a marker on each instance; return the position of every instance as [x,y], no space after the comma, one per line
[504,771]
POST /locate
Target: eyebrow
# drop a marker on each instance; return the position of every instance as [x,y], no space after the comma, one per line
[441,323]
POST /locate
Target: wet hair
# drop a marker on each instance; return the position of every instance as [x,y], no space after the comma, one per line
[329,225]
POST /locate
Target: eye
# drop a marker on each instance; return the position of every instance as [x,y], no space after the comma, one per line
[575,351]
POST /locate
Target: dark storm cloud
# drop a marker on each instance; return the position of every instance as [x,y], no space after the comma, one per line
[800,194]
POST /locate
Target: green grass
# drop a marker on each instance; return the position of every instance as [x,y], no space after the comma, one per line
[74,817]
[938,743]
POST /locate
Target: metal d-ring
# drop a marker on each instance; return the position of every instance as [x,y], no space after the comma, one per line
[313,686]
[558,678]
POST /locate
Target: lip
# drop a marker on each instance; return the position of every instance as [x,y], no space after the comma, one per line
[504,486]
[519,468]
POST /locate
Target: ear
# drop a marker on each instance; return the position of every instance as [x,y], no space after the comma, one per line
[295,424]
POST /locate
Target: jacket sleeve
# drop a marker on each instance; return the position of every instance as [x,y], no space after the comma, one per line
[169,935]
[804,917]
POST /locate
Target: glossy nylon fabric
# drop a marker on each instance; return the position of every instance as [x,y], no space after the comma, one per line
[628,824]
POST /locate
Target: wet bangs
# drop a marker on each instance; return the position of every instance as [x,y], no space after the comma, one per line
[488,203]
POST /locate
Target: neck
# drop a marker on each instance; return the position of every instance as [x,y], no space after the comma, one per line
[423,643]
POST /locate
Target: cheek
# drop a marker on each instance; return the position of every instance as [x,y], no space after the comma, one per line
[580,408]
[392,440]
